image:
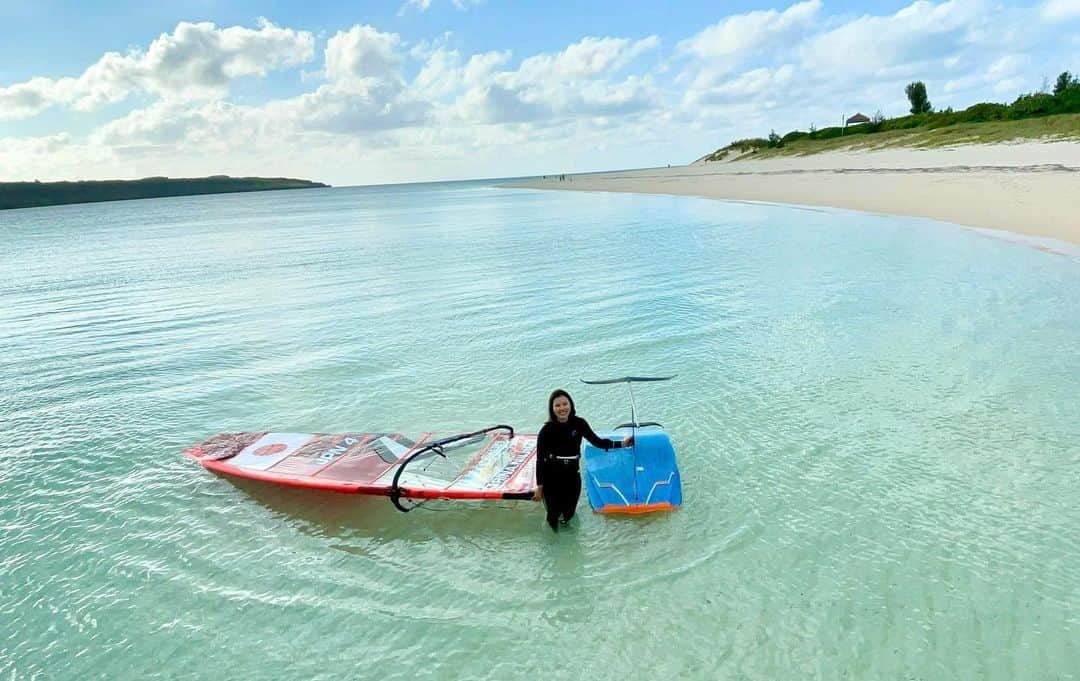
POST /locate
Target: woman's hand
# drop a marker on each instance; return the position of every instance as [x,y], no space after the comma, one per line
[538,493]
[628,441]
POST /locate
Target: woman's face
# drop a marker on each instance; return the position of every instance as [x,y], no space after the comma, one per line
[561,407]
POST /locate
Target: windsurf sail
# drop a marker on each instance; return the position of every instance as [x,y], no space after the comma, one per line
[492,463]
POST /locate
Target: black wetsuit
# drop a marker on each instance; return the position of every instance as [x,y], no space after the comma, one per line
[558,452]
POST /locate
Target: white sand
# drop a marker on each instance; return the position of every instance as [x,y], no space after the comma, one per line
[1030,188]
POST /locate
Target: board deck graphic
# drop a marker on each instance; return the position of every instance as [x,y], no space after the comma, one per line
[488,464]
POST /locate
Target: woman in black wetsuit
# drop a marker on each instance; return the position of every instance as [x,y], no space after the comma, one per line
[558,457]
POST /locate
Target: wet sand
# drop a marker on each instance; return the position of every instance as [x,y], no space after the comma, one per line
[1031,188]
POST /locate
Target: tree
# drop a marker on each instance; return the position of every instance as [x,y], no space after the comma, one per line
[1065,81]
[916,94]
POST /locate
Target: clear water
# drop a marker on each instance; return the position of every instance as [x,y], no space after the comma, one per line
[877,421]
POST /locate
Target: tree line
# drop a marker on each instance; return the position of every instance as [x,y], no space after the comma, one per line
[1065,98]
[31,194]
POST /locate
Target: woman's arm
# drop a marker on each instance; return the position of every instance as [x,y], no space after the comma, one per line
[541,464]
[541,455]
[603,443]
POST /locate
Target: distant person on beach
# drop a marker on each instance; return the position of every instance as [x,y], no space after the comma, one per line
[558,458]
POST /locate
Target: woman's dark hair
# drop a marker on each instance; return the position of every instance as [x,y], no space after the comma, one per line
[551,404]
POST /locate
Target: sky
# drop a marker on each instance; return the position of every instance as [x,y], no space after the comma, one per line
[374,92]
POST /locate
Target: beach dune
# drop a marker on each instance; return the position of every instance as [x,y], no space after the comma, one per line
[1029,188]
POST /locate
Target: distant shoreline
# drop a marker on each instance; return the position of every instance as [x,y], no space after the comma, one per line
[37,194]
[1027,188]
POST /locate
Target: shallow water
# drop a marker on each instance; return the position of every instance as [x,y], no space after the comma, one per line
[877,423]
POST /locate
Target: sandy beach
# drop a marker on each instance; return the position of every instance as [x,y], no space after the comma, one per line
[1029,188]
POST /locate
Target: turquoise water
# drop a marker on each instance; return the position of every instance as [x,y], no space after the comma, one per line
[876,417]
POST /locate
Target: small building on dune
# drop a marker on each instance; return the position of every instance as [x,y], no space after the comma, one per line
[856,120]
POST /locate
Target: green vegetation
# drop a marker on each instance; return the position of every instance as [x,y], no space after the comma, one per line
[1065,81]
[29,194]
[916,94]
[1036,115]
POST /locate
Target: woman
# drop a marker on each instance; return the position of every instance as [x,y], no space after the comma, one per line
[558,457]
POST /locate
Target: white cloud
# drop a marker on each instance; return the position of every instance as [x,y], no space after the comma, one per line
[443,76]
[24,100]
[494,103]
[1006,66]
[362,52]
[892,45]
[481,67]
[365,92]
[367,103]
[351,109]
[195,61]
[1000,75]
[961,48]
[52,157]
[425,5]
[201,57]
[440,74]
[377,101]
[575,81]
[34,145]
[718,51]
[1060,10]
[589,58]
[1010,86]
[754,32]
[356,109]
[748,85]
[173,126]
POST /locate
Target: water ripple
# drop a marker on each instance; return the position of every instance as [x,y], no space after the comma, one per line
[875,419]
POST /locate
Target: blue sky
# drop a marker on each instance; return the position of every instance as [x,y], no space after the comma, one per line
[357,93]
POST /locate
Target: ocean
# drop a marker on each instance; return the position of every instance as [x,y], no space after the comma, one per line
[876,419]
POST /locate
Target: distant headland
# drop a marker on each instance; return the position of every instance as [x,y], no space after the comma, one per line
[31,194]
